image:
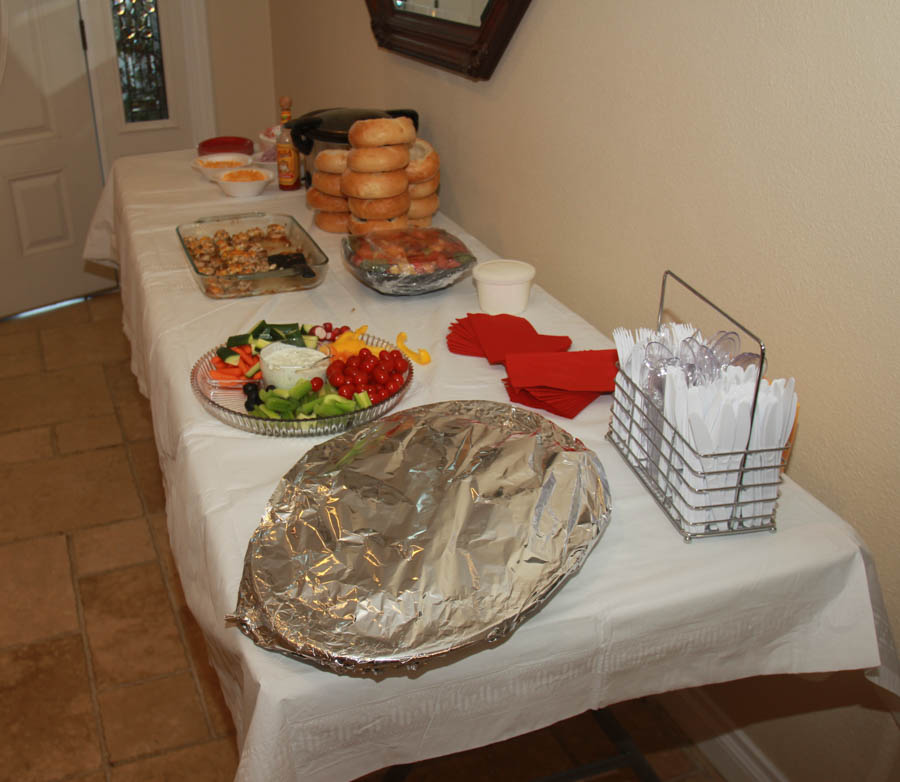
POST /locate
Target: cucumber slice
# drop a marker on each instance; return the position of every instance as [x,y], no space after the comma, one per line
[253,370]
[258,329]
[238,339]
[310,341]
[285,329]
[229,356]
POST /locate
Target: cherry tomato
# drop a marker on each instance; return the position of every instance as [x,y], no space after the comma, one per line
[316,383]
[386,364]
[396,355]
[369,363]
[365,353]
[337,364]
[379,375]
[394,385]
[352,362]
[347,391]
[337,379]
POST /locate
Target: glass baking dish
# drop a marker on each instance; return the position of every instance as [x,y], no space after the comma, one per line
[251,254]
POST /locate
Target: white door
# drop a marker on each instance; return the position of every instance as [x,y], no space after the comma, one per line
[49,167]
[189,114]
[56,144]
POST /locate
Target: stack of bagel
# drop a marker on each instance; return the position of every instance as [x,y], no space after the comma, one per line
[424,175]
[387,182]
[332,212]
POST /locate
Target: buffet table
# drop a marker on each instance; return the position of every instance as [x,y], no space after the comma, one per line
[646,614]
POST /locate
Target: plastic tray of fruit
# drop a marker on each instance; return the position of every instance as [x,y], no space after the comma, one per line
[407,262]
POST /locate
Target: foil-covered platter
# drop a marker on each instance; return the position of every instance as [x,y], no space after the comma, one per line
[433,530]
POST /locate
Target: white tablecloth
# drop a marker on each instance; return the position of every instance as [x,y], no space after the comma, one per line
[646,614]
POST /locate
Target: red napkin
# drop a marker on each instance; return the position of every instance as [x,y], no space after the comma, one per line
[541,373]
[495,336]
[562,383]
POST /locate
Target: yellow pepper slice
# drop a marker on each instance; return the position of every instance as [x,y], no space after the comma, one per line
[419,356]
[350,343]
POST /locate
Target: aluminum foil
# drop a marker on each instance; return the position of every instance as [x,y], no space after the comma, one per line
[434,530]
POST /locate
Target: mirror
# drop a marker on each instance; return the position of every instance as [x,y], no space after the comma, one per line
[462,11]
[466,36]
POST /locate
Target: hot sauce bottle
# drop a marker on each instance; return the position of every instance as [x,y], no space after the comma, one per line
[286,153]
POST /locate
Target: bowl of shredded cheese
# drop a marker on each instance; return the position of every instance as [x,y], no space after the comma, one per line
[244,182]
[211,166]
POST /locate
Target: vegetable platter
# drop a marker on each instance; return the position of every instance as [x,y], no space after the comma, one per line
[362,378]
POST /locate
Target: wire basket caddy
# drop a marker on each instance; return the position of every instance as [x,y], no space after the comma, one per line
[703,494]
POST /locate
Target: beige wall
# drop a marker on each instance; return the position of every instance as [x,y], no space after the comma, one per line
[240,52]
[751,147]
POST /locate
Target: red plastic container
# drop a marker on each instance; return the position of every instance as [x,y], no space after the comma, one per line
[212,146]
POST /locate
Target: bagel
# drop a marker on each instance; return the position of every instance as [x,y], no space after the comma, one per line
[316,199]
[426,188]
[327,183]
[380,185]
[370,159]
[424,162]
[379,208]
[420,222]
[331,161]
[423,207]
[333,222]
[358,227]
[381,132]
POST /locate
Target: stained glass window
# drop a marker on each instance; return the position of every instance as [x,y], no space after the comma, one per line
[139,47]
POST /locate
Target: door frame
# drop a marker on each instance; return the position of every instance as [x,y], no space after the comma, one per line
[198,69]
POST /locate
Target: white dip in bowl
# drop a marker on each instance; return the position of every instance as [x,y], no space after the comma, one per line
[283,365]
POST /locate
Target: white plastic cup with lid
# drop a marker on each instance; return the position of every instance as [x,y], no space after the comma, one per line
[503,285]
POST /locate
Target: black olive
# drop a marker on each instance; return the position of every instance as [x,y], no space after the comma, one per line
[270,388]
[251,388]
[250,405]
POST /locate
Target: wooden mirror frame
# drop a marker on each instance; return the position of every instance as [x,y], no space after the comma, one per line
[471,51]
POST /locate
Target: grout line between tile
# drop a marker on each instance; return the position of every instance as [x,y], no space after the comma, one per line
[88,658]
[182,634]
[44,639]
[160,677]
[117,764]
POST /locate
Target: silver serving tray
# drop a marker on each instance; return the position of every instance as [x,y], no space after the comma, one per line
[433,530]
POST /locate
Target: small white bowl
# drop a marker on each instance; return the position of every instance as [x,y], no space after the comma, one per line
[212,172]
[503,285]
[245,188]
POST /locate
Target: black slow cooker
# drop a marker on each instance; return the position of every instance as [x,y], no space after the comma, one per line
[327,129]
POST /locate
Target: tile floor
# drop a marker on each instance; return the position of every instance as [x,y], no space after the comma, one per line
[103,671]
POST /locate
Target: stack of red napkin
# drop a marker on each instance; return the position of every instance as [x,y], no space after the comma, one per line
[540,371]
[493,336]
